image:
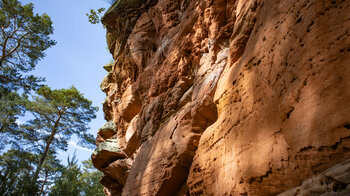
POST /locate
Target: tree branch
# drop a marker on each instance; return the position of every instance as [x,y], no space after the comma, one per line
[2,58]
[18,44]
[59,131]
[4,55]
[3,33]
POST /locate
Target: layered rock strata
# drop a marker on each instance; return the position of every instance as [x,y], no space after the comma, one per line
[218,97]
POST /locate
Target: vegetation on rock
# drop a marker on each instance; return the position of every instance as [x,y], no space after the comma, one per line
[95,15]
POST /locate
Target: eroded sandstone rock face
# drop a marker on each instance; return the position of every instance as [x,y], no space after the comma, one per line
[218,97]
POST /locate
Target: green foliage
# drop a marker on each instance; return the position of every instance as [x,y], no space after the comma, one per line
[58,114]
[30,166]
[15,172]
[75,182]
[12,105]
[61,112]
[17,167]
[90,179]
[68,183]
[24,38]
[95,16]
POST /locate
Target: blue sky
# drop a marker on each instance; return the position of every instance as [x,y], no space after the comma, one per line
[77,58]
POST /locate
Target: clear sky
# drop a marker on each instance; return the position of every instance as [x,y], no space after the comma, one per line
[77,58]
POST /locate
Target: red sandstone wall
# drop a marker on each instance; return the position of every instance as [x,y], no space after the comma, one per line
[220,97]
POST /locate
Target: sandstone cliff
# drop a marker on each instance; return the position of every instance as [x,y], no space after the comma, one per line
[218,97]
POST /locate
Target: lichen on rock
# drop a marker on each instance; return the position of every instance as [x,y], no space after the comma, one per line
[107,130]
[107,152]
[108,67]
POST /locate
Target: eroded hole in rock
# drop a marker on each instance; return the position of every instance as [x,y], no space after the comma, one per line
[234,82]
[289,112]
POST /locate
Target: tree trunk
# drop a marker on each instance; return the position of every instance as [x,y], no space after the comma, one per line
[43,157]
[42,186]
[47,147]
[2,58]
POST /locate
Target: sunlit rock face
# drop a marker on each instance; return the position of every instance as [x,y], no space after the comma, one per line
[218,97]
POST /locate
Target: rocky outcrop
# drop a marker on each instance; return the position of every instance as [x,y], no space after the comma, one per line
[219,97]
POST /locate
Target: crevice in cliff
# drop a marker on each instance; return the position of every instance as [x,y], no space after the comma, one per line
[335,145]
[259,179]
[242,31]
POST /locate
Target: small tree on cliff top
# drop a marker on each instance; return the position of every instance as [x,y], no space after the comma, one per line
[58,114]
[94,16]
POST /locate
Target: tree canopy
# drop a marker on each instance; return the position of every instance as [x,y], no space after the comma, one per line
[58,114]
[77,182]
[12,105]
[28,150]
[94,16]
[24,38]
[63,112]
[15,173]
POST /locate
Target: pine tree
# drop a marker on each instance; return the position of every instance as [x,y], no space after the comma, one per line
[68,183]
[58,114]
[24,36]
[77,182]
[90,179]
[15,171]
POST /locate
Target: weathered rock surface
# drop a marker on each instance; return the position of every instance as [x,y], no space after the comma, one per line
[106,153]
[107,130]
[333,181]
[220,97]
[118,170]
